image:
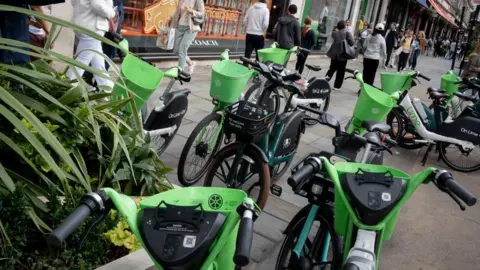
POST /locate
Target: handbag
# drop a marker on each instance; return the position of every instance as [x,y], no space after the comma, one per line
[347,50]
[198,20]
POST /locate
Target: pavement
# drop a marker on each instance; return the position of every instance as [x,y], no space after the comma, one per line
[431,233]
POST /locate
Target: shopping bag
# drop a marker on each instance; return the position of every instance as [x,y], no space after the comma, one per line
[399,50]
[166,38]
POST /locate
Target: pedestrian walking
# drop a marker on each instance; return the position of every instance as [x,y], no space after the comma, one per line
[405,45]
[428,46]
[185,20]
[93,15]
[111,51]
[363,34]
[472,68]
[349,27]
[287,30]
[256,19]
[338,61]
[415,52]
[308,40]
[375,48]
[453,52]
[391,41]
[438,48]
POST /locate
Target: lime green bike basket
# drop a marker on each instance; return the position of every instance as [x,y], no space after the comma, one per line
[447,83]
[276,55]
[372,104]
[229,79]
[211,198]
[141,78]
[393,82]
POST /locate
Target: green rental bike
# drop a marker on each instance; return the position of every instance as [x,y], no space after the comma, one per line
[354,208]
[226,87]
[186,228]
[266,142]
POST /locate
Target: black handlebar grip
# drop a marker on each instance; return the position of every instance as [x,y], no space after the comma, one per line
[389,141]
[248,61]
[309,168]
[244,240]
[460,191]
[70,224]
[350,71]
[423,77]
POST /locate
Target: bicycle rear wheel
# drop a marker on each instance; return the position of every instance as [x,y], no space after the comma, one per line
[160,143]
[311,254]
[252,174]
[255,92]
[198,152]
[458,159]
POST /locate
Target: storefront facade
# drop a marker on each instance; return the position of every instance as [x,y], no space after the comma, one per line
[223,29]
[325,15]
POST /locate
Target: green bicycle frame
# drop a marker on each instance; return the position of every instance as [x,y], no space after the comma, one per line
[346,218]
[223,248]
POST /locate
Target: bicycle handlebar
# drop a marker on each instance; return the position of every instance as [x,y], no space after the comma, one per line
[423,76]
[243,245]
[310,167]
[92,202]
[69,225]
[445,180]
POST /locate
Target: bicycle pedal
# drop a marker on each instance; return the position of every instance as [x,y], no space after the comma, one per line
[276,190]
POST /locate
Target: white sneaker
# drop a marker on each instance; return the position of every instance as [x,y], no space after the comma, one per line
[394,66]
[385,67]
[336,89]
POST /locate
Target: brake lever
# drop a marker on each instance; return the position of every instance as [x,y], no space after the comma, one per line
[446,190]
[462,206]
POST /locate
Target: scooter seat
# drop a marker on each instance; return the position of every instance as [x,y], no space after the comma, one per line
[313,68]
[374,126]
[437,93]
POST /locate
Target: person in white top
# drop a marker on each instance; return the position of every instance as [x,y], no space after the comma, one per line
[375,48]
[256,19]
[92,15]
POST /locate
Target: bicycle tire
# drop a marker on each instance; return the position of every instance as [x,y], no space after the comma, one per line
[395,114]
[205,122]
[443,154]
[167,139]
[293,231]
[256,87]
[251,152]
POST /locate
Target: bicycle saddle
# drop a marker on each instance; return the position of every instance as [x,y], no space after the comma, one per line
[314,68]
[435,93]
[373,126]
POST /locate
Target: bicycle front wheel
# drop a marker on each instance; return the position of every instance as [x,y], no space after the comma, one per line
[312,255]
[254,93]
[251,175]
[199,149]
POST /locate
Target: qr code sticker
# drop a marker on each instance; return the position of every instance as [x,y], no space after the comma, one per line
[189,241]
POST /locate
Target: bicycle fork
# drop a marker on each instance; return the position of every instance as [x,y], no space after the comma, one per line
[304,234]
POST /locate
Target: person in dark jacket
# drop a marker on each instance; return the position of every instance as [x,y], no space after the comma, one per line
[308,41]
[338,62]
[287,30]
[391,42]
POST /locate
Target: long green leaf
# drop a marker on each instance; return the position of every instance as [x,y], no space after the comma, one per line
[45,133]
[81,162]
[72,95]
[38,106]
[121,142]
[41,225]
[7,180]
[19,151]
[32,139]
[5,235]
